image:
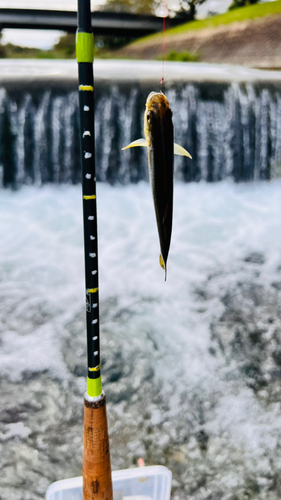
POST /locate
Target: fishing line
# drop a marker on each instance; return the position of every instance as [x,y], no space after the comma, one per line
[163,40]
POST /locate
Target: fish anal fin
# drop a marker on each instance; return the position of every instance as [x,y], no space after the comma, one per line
[134,144]
[179,150]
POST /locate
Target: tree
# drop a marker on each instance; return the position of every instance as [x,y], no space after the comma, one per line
[66,45]
[241,3]
[134,6]
[183,8]
[189,7]
[105,43]
[2,48]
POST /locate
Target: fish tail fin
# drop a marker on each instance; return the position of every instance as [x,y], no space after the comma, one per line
[163,265]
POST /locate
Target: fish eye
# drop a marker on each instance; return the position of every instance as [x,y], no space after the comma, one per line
[149,116]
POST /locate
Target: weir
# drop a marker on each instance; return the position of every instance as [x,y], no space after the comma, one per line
[231,128]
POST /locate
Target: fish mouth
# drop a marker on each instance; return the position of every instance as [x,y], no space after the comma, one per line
[154,94]
[158,103]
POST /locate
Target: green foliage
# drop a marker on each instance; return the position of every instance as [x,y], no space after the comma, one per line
[15,51]
[104,43]
[2,52]
[2,48]
[47,54]
[189,6]
[66,45]
[133,6]
[183,56]
[153,6]
[241,3]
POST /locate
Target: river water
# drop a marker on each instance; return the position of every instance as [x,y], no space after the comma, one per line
[191,367]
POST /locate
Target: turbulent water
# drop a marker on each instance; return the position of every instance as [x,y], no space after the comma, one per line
[232,130]
[191,367]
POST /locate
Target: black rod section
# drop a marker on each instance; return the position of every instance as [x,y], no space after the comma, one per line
[84,16]
[84,49]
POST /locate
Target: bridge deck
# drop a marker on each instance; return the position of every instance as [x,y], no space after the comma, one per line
[106,23]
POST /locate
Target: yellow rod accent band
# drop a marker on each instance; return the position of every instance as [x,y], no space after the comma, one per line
[94,387]
[92,290]
[96,369]
[90,197]
[86,87]
[84,47]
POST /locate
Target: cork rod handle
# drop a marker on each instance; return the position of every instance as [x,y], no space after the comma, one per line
[97,481]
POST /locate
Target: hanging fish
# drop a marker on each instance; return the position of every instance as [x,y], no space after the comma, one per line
[159,140]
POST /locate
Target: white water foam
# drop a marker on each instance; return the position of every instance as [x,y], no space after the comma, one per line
[215,227]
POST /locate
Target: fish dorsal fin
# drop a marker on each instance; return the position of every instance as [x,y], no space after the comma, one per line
[179,150]
[134,144]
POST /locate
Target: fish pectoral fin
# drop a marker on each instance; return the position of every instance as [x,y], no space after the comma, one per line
[179,150]
[134,144]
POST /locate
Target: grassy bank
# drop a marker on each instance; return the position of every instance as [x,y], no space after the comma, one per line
[237,15]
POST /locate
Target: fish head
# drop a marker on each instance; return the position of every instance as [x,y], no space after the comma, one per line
[157,111]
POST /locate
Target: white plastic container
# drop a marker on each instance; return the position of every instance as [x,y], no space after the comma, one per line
[143,483]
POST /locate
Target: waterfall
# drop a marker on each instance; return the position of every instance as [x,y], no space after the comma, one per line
[231,130]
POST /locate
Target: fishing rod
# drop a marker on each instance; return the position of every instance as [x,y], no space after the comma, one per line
[97,481]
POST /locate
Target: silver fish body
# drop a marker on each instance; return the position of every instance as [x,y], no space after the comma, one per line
[159,140]
[160,134]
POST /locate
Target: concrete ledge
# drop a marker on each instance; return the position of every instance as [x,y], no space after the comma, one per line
[111,71]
